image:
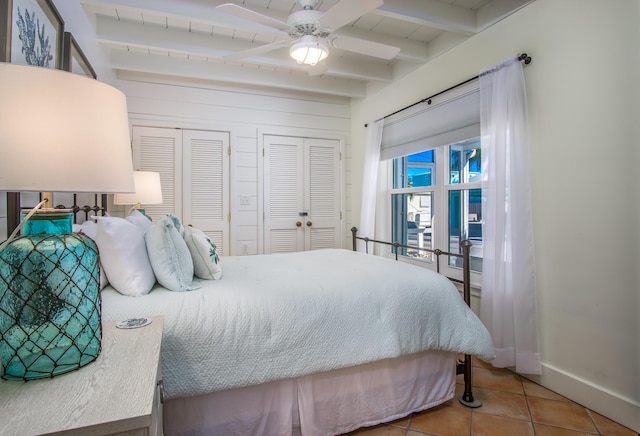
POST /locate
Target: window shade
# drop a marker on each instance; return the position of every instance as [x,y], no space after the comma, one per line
[451,117]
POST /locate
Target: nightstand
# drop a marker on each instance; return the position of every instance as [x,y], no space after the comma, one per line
[119,393]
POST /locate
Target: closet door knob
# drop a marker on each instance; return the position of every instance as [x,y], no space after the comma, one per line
[309,223]
[298,224]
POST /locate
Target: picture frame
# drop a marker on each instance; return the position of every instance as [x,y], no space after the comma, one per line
[73,59]
[43,16]
[31,33]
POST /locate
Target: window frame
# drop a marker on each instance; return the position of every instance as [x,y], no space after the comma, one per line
[440,188]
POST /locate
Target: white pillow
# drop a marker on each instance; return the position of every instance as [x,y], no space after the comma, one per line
[206,262]
[169,255]
[123,254]
[90,228]
[140,220]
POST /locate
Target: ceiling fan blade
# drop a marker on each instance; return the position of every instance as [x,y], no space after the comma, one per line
[347,11]
[248,14]
[365,47]
[257,50]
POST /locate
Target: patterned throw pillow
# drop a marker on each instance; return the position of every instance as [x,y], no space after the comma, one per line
[178,225]
[204,253]
[169,255]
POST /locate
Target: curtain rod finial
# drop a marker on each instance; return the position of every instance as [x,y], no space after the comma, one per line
[526,58]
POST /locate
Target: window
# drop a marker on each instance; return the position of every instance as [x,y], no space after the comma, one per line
[436,201]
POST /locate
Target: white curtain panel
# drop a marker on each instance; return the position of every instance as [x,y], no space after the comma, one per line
[508,301]
[370,182]
[383,208]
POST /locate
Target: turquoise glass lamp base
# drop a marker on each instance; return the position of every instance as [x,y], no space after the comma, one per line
[49,305]
[48,223]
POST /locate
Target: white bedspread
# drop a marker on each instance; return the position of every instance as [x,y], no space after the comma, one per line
[286,315]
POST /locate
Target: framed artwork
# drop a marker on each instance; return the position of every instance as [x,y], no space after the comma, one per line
[31,33]
[73,59]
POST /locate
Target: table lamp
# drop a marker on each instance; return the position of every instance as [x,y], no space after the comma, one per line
[59,132]
[147,191]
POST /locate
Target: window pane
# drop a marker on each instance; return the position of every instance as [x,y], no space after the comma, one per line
[413,171]
[412,219]
[465,162]
[465,222]
[423,156]
[419,177]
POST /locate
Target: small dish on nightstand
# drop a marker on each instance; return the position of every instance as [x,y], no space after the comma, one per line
[133,323]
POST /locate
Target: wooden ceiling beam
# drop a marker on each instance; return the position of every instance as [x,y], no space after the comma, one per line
[151,63]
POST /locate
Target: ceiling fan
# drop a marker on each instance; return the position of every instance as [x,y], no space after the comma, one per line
[311,31]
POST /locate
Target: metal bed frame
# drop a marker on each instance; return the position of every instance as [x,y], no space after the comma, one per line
[463,366]
[99,206]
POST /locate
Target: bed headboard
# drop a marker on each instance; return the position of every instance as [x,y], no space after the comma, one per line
[92,204]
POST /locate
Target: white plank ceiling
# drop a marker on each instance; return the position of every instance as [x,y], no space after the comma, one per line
[188,39]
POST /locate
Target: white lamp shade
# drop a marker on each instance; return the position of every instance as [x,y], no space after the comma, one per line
[62,132]
[148,190]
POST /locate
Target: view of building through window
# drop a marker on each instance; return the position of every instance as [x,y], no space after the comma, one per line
[435,208]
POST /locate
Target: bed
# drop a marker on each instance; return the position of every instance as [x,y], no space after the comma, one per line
[320,343]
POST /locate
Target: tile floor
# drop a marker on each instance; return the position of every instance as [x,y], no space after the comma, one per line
[511,406]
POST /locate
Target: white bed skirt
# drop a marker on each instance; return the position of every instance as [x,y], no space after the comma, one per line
[327,403]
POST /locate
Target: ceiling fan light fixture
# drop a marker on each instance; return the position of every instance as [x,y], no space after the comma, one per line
[309,50]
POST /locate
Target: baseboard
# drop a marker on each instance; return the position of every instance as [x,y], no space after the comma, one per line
[614,406]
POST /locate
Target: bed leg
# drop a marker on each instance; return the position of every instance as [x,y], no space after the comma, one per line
[467,397]
[466,367]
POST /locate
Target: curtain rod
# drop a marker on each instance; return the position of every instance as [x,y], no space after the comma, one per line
[523,58]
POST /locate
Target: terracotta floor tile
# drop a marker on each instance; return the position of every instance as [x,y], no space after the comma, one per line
[498,379]
[512,406]
[490,425]
[505,404]
[547,430]
[560,414]
[535,390]
[479,363]
[610,428]
[443,421]
[379,430]
[455,401]
[401,423]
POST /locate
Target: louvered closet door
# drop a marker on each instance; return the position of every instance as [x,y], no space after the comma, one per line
[302,194]
[284,194]
[322,194]
[206,184]
[160,150]
[194,173]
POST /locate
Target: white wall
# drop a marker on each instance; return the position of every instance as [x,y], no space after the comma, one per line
[78,24]
[584,148]
[248,114]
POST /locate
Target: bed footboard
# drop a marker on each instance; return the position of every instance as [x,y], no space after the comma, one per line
[464,366]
